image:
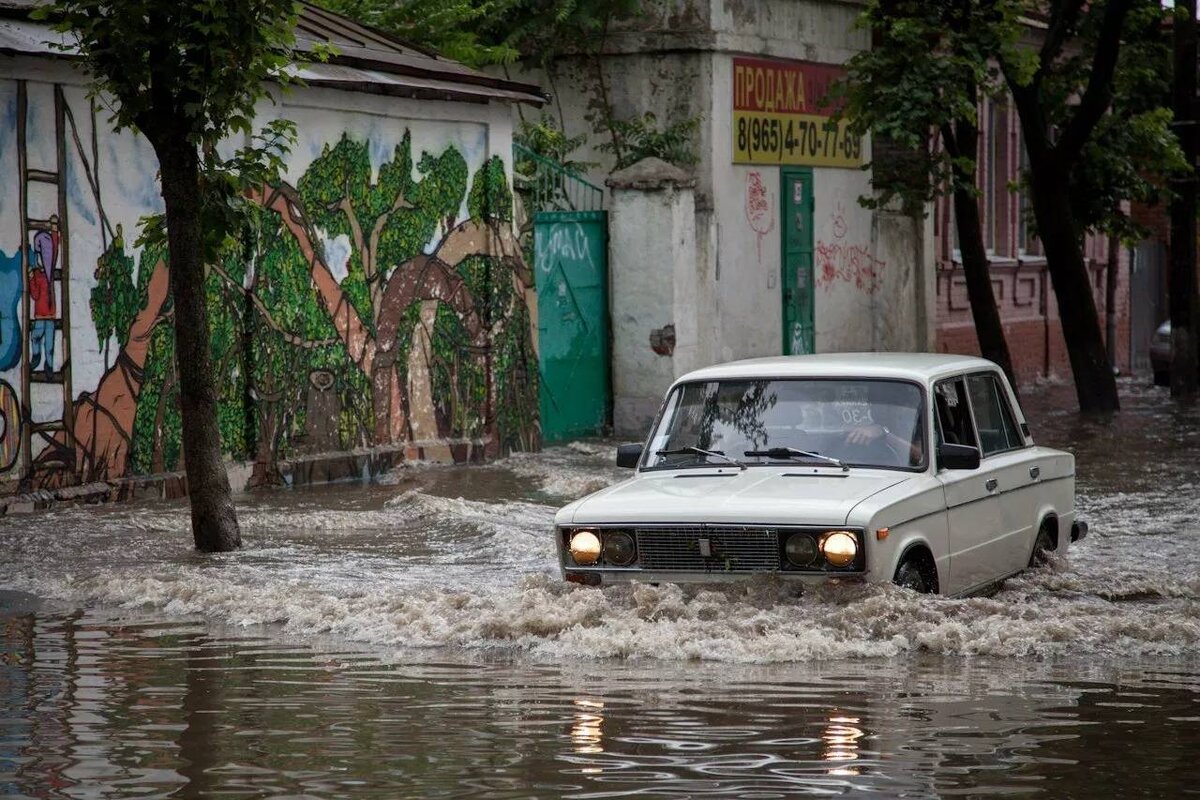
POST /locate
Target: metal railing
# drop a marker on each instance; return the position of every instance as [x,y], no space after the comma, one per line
[547,185]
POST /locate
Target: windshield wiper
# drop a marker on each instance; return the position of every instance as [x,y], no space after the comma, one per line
[699,451]
[792,452]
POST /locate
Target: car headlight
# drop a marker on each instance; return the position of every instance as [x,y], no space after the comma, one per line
[801,550]
[840,548]
[619,548]
[585,548]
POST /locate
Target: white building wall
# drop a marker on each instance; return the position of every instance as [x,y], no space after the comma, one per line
[873,270]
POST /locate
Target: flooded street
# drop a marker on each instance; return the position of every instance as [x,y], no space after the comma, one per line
[410,638]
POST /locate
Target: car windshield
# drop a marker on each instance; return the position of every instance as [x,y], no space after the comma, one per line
[836,423]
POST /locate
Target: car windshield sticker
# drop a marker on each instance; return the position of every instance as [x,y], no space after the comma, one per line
[852,403]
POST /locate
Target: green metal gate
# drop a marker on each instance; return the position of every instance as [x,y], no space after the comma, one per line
[570,260]
[570,255]
[796,189]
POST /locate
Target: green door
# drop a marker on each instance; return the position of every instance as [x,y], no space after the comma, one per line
[796,193]
[570,255]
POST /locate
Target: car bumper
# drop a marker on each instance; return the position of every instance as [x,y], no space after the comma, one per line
[602,577]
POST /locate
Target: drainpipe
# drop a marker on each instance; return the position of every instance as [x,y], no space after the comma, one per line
[1045,304]
[1110,300]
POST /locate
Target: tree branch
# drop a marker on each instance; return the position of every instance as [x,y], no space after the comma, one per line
[346,207]
[949,142]
[376,231]
[285,201]
[1063,16]
[1031,116]
[1098,94]
[272,323]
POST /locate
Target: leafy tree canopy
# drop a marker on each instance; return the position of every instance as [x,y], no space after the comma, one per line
[934,60]
[191,72]
[932,63]
[481,32]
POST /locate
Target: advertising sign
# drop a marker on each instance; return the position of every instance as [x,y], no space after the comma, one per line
[781,115]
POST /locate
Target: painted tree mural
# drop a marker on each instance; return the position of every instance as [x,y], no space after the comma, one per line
[367,309]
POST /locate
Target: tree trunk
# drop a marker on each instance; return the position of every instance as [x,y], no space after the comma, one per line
[1095,385]
[214,521]
[988,328]
[1184,311]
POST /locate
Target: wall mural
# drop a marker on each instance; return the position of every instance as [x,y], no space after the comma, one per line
[378,301]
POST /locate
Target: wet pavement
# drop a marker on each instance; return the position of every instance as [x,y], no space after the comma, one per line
[410,638]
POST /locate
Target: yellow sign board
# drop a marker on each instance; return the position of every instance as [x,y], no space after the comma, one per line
[793,139]
[780,116]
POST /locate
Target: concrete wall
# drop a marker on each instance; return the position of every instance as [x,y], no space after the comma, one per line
[874,270]
[659,322]
[346,329]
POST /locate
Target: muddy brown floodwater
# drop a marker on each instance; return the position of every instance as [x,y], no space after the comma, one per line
[408,638]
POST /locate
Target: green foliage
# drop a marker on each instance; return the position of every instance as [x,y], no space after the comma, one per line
[157,423]
[225,211]
[1132,153]
[490,197]
[444,185]
[546,140]
[207,60]
[451,27]
[639,137]
[515,362]
[933,62]
[190,75]
[459,380]
[271,331]
[482,32]
[115,299]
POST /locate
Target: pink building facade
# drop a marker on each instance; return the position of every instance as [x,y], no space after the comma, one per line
[1021,283]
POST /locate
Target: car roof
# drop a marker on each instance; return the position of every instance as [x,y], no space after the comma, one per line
[921,367]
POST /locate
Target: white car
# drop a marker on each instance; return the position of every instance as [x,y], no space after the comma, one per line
[912,468]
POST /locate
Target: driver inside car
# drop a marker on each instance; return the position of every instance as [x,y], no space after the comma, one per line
[893,430]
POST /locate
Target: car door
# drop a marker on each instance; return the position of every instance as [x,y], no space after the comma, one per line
[973,512]
[1012,464]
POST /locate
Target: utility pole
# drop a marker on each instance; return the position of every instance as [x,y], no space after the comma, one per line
[1185,302]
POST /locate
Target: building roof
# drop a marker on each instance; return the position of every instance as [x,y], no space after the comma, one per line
[911,366]
[366,60]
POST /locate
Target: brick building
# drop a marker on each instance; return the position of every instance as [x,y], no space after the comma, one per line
[1020,279]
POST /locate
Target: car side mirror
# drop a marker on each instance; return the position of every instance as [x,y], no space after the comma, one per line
[958,456]
[628,455]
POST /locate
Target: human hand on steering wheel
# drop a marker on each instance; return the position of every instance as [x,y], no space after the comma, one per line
[871,435]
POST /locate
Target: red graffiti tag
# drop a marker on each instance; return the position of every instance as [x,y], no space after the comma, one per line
[758,208]
[849,263]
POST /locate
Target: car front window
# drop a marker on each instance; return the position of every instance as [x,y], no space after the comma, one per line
[860,422]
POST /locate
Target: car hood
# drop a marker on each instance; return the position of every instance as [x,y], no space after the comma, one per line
[759,495]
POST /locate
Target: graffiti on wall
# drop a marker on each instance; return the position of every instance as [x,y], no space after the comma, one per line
[841,261]
[760,211]
[374,304]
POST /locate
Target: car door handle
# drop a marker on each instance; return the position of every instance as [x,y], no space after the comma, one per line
[1035,472]
[991,484]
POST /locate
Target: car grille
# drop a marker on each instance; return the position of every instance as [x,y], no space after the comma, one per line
[732,548]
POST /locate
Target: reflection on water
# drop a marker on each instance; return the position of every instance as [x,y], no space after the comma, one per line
[841,743]
[410,639]
[100,706]
[588,731]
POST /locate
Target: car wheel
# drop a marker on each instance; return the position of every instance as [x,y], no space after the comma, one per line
[1162,377]
[1042,547]
[913,574]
